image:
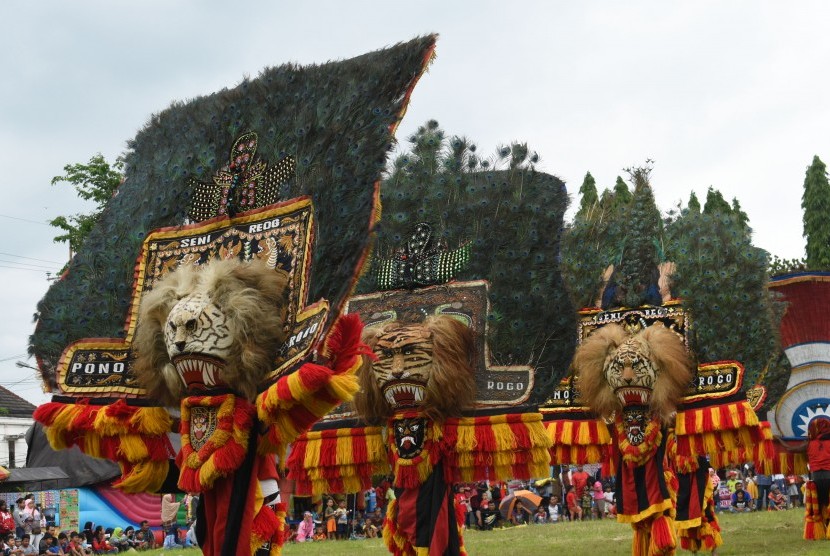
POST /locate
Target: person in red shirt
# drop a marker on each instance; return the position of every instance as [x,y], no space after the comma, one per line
[818,456]
[579,479]
[573,503]
[817,492]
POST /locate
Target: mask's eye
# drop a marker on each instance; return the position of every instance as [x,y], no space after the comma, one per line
[190,325]
[400,428]
[408,350]
[414,427]
[172,325]
[387,352]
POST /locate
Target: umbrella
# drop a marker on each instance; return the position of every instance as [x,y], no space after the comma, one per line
[524,498]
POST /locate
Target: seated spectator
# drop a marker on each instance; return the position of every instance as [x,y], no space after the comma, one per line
[76,545]
[370,529]
[554,509]
[777,500]
[52,548]
[119,540]
[488,516]
[305,530]
[15,546]
[741,500]
[171,538]
[140,541]
[540,516]
[319,534]
[147,535]
[190,540]
[26,547]
[40,540]
[63,543]
[100,545]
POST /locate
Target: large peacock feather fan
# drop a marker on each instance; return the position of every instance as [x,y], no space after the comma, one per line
[719,274]
[335,121]
[504,216]
[722,278]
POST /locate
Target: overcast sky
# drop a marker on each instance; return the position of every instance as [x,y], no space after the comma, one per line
[729,94]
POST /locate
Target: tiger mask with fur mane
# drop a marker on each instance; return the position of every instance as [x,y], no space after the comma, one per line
[616,370]
[429,366]
[219,325]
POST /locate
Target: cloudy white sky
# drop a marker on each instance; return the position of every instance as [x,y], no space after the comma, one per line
[729,94]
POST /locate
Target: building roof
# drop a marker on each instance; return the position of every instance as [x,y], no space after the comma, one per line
[17,406]
[35,479]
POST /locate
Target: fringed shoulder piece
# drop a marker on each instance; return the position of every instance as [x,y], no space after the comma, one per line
[134,437]
[296,401]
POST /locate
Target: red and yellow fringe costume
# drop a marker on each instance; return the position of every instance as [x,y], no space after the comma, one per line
[422,520]
[661,492]
[136,437]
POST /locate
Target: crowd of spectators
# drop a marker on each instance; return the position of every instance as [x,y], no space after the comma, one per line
[576,493]
[24,531]
[740,490]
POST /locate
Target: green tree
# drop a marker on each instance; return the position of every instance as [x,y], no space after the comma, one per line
[743,218]
[622,195]
[715,203]
[816,205]
[694,204]
[94,181]
[588,193]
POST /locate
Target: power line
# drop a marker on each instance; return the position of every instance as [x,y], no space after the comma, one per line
[33,265]
[24,220]
[9,358]
[30,258]
[29,269]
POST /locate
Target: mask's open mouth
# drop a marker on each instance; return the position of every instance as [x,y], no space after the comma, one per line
[404,393]
[199,372]
[633,395]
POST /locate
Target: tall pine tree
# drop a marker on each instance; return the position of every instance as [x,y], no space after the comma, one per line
[588,194]
[622,195]
[816,205]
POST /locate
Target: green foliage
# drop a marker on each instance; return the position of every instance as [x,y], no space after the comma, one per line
[722,280]
[694,204]
[334,119]
[816,204]
[778,266]
[94,181]
[715,203]
[588,194]
[512,215]
[743,218]
[622,195]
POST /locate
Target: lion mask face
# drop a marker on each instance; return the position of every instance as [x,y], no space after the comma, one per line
[404,365]
[631,373]
[429,366]
[616,370]
[219,325]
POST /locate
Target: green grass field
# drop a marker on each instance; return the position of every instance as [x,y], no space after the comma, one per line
[767,533]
